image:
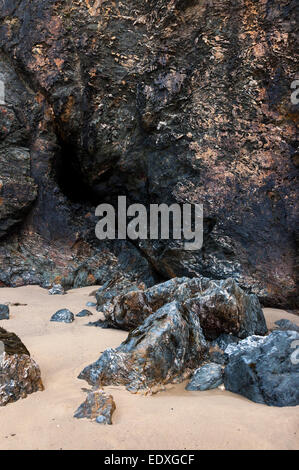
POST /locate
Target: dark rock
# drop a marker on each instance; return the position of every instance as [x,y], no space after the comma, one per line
[4,312]
[19,374]
[98,406]
[164,349]
[84,313]
[206,377]
[91,304]
[218,357]
[285,324]
[265,369]
[222,306]
[224,340]
[12,343]
[63,315]
[207,119]
[57,289]
[113,288]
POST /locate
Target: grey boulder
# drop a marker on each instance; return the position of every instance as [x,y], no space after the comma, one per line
[206,377]
[64,315]
[285,325]
[4,312]
[265,369]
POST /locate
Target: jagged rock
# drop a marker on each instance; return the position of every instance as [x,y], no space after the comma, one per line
[4,312]
[84,313]
[164,349]
[222,306]
[64,315]
[206,377]
[285,324]
[19,374]
[98,406]
[57,289]
[265,369]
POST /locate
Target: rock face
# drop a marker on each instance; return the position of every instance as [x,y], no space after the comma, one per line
[265,369]
[164,349]
[206,377]
[164,101]
[4,312]
[98,406]
[19,374]
[64,315]
[221,306]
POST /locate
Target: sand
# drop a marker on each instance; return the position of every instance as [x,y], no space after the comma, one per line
[174,419]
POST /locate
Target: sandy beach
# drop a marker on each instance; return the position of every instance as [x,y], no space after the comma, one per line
[174,419]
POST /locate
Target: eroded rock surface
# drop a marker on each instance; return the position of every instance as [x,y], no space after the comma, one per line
[165,348]
[265,369]
[221,306]
[98,406]
[164,101]
[19,373]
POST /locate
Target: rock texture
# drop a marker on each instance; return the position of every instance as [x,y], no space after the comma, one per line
[84,313]
[265,369]
[4,312]
[64,316]
[164,349]
[206,377]
[221,306]
[164,101]
[285,325]
[57,289]
[19,374]
[98,406]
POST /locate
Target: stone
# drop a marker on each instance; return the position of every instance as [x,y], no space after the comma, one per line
[64,315]
[206,377]
[19,373]
[214,126]
[57,289]
[4,312]
[285,325]
[91,304]
[164,349]
[84,313]
[265,369]
[98,406]
[222,306]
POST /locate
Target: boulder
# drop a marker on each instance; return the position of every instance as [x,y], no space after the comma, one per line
[265,369]
[64,315]
[4,312]
[98,406]
[57,289]
[19,373]
[222,306]
[206,377]
[165,348]
[285,325]
[84,313]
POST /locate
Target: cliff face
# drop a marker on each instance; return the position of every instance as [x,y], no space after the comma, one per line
[178,101]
